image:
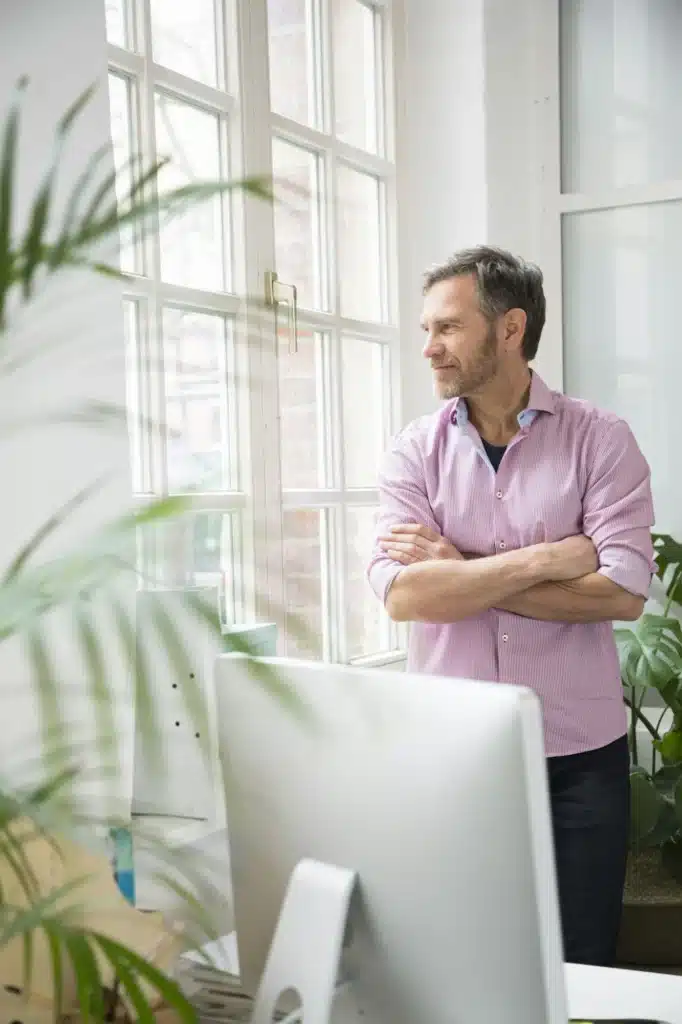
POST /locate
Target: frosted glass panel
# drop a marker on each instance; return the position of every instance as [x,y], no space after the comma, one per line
[355,28]
[621,92]
[622,351]
[364,410]
[359,241]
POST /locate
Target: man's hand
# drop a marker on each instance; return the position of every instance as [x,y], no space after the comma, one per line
[570,559]
[409,543]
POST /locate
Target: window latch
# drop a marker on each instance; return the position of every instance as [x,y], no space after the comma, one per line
[279,294]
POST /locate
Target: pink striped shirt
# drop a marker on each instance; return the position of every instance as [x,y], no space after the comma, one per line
[570,469]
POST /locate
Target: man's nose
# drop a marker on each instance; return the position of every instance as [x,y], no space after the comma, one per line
[432,347]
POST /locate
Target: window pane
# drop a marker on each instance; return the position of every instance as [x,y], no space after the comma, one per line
[184,37]
[368,628]
[359,245]
[355,74]
[196,371]
[621,310]
[124,147]
[621,81]
[292,81]
[364,410]
[214,556]
[116,22]
[297,221]
[192,245]
[300,399]
[202,549]
[305,585]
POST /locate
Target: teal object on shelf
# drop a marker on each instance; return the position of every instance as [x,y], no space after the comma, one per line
[122,861]
[261,638]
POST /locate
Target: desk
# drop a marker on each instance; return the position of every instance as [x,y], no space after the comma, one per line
[613,993]
[593,992]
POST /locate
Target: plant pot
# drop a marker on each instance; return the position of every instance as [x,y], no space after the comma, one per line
[651,928]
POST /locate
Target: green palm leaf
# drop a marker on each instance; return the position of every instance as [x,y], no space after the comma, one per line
[55,521]
[57,961]
[46,686]
[79,233]
[203,927]
[147,716]
[77,193]
[33,247]
[127,964]
[23,819]
[7,174]
[16,922]
[99,687]
[82,588]
[262,673]
[89,982]
[128,982]
[73,229]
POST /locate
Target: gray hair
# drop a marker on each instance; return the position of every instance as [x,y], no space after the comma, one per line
[504,282]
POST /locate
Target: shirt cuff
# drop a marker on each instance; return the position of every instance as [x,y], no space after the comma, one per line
[381,576]
[635,578]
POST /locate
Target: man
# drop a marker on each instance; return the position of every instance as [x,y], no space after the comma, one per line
[514,528]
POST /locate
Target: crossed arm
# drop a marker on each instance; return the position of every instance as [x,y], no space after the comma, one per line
[590,598]
[552,582]
[603,575]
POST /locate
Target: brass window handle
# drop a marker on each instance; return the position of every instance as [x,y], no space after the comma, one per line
[279,294]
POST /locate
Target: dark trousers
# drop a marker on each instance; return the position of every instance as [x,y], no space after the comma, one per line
[590,797]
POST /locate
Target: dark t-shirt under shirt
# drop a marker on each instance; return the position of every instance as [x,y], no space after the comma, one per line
[494,453]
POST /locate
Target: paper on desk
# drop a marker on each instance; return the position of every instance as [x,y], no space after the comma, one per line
[96,904]
[222,954]
[614,994]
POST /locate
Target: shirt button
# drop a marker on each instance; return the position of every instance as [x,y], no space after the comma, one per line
[498,494]
[502,545]
[505,637]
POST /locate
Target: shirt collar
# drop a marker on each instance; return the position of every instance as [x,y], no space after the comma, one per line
[540,399]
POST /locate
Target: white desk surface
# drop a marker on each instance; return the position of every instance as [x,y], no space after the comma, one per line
[613,993]
[592,991]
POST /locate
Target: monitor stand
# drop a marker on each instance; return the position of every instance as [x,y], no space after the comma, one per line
[305,955]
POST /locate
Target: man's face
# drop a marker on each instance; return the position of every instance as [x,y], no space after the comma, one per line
[461,345]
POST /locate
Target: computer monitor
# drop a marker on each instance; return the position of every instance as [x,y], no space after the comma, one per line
[434,792]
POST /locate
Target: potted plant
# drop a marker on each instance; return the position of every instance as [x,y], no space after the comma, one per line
[37,918]
[651,659]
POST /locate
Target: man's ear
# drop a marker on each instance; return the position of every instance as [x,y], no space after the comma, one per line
[514,328]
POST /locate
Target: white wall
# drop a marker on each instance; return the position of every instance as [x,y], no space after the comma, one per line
[76,321]
[522,149]
[479,99]
[442,161]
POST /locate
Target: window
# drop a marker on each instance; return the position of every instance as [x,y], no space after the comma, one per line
[277,437]
[620,210]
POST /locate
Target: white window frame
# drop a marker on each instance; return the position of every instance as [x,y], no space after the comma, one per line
[554,201]
[251,238]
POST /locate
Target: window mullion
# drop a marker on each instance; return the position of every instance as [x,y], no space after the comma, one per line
[338,547]
[152,267]
[259,256]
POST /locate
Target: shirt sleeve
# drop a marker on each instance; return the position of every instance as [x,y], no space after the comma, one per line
[402,499]
[618,511]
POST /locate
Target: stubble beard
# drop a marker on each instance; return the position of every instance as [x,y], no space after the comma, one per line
[480,373]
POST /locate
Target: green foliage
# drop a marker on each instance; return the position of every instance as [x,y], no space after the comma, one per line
[83,587]
[651,658]
[41,250]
